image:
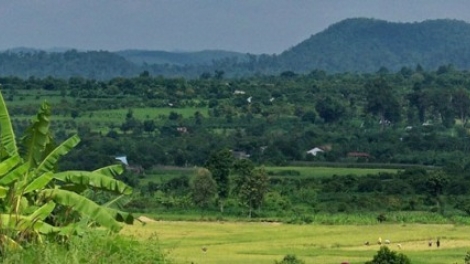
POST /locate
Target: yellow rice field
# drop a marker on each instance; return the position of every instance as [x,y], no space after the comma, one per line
[245,242]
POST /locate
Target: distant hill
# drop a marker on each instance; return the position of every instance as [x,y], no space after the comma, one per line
[352,45]
[206,57]
[90,64]
[365,45]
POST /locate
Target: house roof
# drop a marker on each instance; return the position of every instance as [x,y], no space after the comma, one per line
[358,154]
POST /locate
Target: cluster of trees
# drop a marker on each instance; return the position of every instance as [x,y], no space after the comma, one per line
[235,187]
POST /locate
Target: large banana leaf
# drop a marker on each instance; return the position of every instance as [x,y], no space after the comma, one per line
[8,164]
[39,183]
[3,192]
[51,159]
[42,212]
[7,135]
[121,216]
[14,175]
[111,171]
[37,137]
[95,180]
[22,223]
[83,206]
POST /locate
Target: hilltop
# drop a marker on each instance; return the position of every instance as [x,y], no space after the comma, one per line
[365,45]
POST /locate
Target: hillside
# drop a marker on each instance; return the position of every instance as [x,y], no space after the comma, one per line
[365,45]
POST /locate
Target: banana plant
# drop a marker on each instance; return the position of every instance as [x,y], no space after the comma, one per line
[34,195]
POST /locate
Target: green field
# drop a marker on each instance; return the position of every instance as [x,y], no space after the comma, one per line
[148,113]
[326,171]
[236,242]
[164,174]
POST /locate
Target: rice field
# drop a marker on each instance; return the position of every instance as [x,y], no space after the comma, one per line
[306,171]
[249,242]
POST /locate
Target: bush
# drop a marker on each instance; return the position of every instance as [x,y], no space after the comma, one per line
[381,218]
[386,256]
[290,259]
[467,258]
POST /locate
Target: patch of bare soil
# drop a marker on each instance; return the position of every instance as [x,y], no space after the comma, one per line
[145,219]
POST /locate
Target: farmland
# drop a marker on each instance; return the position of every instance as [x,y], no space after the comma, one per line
[263,243]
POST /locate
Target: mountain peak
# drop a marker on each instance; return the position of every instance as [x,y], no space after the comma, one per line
[366,44]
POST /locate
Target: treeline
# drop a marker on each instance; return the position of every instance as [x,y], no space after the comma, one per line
[298,199]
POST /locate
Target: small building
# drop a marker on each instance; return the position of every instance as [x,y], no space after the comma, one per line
[239,92]
[182,129]
[315,151]
[240,154]
[359,155]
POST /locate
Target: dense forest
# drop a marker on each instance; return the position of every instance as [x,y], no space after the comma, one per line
[413,120]
[355,45]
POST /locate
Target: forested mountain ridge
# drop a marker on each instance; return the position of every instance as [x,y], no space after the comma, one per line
[89,64]
[353,45]
[206,57]
[364,45]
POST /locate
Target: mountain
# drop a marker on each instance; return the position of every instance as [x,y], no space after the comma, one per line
[352,45]
[365,45]
[204,57]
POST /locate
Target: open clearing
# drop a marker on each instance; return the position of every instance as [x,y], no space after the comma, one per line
[238,242]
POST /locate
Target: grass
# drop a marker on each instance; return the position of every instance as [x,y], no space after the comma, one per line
[306,172]
[91,248]
[242,242]
[164,174]
[146,113]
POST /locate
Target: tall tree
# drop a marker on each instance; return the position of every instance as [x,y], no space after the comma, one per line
[419,99]
[219,164]
[461,104]
[203,187]
[381,101]
[253,189]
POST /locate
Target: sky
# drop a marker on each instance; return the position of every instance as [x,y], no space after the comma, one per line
[248,26]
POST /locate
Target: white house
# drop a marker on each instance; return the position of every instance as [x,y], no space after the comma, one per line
[315,151]
[239,92]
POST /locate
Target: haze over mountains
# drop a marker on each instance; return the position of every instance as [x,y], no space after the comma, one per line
[352,45]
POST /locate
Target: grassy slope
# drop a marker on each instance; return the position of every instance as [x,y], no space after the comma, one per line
[234,243]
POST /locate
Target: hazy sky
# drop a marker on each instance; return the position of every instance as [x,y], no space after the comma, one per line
[254,26]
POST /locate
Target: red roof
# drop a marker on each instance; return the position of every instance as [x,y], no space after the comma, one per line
[358,154]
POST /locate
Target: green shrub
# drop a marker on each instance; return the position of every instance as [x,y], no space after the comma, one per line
[387,256]
[467,258]
[290,259]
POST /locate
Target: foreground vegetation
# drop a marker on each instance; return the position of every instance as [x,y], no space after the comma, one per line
[263,243]
[94,247]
